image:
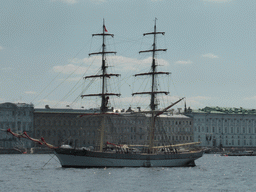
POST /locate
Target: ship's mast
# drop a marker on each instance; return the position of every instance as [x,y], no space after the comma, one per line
[104,75]
[153,93]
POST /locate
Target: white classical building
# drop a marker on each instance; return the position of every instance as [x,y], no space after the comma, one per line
[224,127]
[18,117]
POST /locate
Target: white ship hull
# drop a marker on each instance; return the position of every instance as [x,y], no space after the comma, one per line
[81,158]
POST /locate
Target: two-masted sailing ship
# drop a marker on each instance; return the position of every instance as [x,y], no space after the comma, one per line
[121,155]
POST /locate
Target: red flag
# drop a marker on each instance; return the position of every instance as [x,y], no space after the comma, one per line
[105,29]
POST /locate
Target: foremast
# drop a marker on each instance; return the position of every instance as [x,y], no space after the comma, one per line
[154,91]
[104,75]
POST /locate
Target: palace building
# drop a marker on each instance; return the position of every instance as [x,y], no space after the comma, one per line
[224,127]
[81,127]
[18,117]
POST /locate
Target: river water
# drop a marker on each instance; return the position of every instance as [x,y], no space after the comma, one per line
[29,172]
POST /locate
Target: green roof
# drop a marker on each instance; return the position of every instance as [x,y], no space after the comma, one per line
[226,110]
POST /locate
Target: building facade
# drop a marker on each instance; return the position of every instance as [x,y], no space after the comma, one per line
[82,127]
[18,117]
[224,127]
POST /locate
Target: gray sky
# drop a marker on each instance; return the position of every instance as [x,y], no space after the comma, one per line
[44,46]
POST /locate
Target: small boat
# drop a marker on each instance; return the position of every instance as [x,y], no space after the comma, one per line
[239,153]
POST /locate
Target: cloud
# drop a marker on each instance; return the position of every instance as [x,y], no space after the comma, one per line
[133,64]
[52,103]
[250,98]
[75,79]
[30,92]
[122,64]
[98,1]
[218,1]
[210,55]
[7,69]
[183,62]
[67,1]
[197,101]
[70,68]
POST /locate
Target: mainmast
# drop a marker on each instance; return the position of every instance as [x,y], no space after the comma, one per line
[154,91]
[104,75]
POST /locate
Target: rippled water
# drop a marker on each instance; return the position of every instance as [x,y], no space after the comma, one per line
[212,173]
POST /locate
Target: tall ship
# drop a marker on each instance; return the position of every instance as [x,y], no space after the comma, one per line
[113,155]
